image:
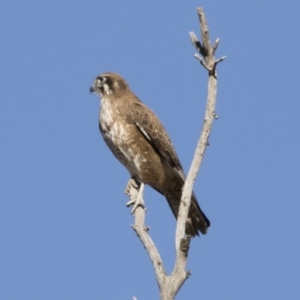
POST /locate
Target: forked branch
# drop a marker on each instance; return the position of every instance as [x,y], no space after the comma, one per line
[209,62]
[169,285]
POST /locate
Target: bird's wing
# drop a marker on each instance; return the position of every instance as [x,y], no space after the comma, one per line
[154,132]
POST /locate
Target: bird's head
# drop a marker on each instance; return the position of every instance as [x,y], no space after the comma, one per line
[109,84]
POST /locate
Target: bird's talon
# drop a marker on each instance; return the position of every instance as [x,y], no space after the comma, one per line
[136,205]
[131,183]
[134,183]
[129,203]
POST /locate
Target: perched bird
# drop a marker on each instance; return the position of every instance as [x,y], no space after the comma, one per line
[139,141]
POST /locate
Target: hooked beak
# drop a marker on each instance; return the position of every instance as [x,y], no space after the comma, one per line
[92,89]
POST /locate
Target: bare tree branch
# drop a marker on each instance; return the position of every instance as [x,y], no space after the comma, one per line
[135,191]
[209,63]
[169,285]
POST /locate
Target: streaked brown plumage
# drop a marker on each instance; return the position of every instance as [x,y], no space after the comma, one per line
[140,142]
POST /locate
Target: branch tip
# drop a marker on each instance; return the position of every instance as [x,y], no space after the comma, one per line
[220,59]
[193,37]
[199,10]
[215,47]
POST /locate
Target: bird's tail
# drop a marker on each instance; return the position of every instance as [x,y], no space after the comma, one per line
[197,221]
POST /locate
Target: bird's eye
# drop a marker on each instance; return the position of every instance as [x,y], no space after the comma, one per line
[101,80]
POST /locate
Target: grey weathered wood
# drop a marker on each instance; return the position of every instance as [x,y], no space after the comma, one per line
[169,285]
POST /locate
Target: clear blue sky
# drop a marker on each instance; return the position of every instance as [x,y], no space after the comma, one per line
[64,228]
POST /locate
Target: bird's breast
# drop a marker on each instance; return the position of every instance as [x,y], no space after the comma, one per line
[120,135]
[107,114]
[128,144]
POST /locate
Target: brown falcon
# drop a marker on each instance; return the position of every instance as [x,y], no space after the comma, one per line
[139,141]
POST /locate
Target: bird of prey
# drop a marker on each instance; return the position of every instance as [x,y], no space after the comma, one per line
[140,142]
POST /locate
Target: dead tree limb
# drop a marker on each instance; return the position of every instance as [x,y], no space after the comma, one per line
[209,62]
[169,285]
[135,190]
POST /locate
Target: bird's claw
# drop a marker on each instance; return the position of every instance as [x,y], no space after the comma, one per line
[135,204]
[136,198]
[131,183]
